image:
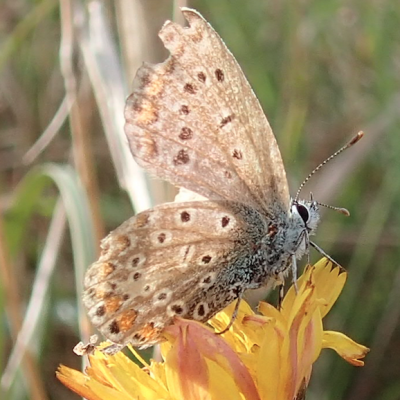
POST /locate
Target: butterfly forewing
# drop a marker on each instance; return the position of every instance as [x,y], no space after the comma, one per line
[185,259]
[195,121]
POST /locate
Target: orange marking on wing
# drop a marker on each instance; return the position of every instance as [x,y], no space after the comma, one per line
[147,113]
[105,269]
[101,293]
[149,332]
[147,146]
[127,319]
[197,35]
[112,304]
[121,242]
[141,220]
[155,86]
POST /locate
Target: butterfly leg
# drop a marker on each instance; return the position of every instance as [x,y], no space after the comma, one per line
[281,295]
[234,315]
[112,349]
[294,273]
[316,247]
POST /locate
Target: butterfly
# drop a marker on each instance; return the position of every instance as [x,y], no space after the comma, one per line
[194,121]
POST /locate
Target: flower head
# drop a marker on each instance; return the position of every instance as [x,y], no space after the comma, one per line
[268,355]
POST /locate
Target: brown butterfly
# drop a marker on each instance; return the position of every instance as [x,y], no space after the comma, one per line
[195,122]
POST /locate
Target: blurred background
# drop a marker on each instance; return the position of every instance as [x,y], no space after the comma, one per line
[323,70]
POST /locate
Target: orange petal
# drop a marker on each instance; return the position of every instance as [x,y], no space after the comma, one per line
[309,343]
[347,348]
[302,343]
[192,339]
[185,368]
[87,387]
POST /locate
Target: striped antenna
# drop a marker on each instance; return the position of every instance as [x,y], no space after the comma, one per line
[343,211]
[353,141]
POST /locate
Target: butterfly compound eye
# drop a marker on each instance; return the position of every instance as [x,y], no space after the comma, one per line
[304,214]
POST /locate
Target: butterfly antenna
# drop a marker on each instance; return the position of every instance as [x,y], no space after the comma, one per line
[353,141]
[343,211]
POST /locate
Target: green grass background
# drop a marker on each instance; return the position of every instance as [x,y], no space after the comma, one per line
[322,70]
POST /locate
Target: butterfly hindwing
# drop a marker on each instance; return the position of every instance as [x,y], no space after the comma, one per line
[176,259]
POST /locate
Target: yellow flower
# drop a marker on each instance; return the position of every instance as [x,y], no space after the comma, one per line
[265,356]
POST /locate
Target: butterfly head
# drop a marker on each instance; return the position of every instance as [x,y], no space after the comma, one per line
[308,212]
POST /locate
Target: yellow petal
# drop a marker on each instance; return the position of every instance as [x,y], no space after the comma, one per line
[76,381]
[270,311]
[135,381]
[239,336]
[87,387]
[157,372]
[222,384]
[107,393]
[328,279]
[292,296]
[268,363]
[294,302]
[347,348]
[252,330]
[329,282]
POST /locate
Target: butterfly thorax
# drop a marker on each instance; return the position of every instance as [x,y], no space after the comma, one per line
[283,237]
